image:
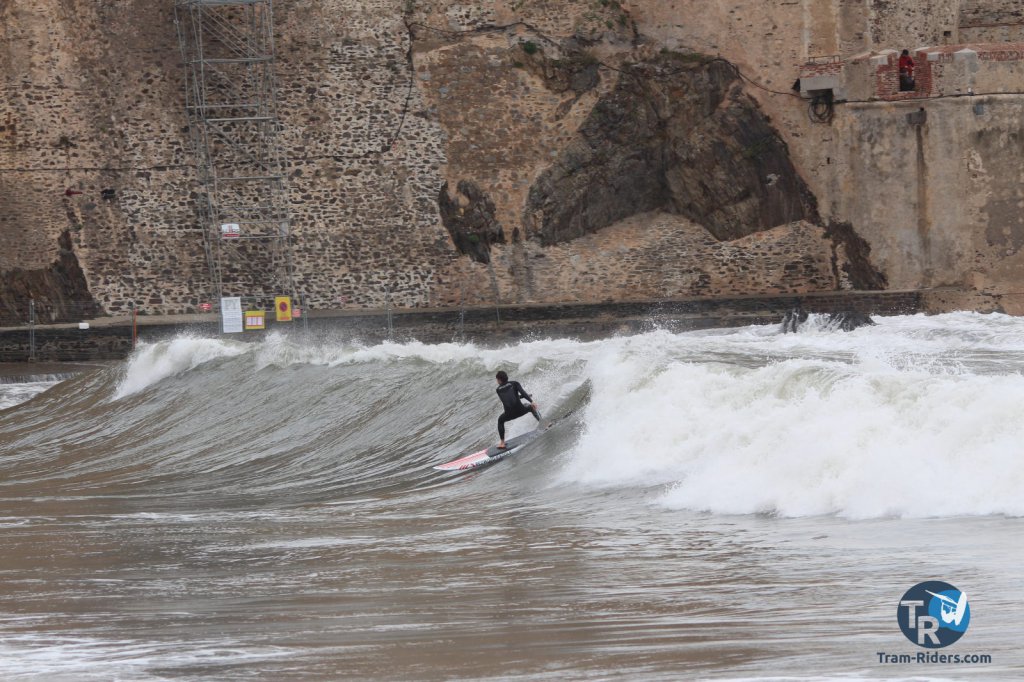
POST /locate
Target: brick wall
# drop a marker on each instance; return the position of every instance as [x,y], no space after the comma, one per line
[887,77]
[947,70]
[829,68]
[824,74]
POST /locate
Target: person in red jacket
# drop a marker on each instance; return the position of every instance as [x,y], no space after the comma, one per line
[906,71]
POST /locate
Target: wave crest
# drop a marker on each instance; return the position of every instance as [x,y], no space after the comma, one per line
[806,437]
[154,362]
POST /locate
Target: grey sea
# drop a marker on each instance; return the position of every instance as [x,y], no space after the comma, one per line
[727,504]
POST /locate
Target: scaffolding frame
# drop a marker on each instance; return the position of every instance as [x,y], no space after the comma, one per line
[231,100]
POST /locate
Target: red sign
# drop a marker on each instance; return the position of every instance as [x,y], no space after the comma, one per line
[206,307]
[296,312]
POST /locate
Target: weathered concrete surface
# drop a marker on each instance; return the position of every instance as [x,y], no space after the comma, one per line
[933,222]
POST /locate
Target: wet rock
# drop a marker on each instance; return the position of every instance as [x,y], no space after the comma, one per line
[793,319]
[849,320]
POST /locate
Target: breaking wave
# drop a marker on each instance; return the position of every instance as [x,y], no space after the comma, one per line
[917,416]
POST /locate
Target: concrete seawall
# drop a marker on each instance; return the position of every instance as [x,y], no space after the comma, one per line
[111,339]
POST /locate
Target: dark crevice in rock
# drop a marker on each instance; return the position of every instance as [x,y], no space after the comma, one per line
[858,268]
[60,291]
[469,217]
[579,71]
[676,134]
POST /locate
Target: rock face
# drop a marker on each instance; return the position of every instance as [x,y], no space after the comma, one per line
[557,151]
[615,174]
[60,291]
[470,219]
[549,149]
[677,134]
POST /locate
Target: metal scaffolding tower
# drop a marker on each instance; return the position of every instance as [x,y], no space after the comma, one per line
[230,95]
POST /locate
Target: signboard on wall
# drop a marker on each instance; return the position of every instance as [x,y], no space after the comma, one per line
[231,314]
[255,319]
[230,231]
[283,307]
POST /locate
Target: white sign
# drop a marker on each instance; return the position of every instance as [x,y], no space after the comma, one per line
[230,231]
[231,314]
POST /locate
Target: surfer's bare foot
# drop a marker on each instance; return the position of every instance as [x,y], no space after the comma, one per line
[502,446]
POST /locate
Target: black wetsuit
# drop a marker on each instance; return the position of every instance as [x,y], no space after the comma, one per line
[510,393]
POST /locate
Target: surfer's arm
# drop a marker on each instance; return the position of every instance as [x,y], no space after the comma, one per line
[522,393]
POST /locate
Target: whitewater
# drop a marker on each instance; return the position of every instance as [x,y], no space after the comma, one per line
[718,504]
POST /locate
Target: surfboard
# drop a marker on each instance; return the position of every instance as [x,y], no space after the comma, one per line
[493,454]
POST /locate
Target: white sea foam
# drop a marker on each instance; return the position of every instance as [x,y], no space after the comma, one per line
[38,657]
[893,423]
[523,355]
[154,362]
[918,416]
[15,394]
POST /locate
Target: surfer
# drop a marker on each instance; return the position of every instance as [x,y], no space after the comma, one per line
[510,393]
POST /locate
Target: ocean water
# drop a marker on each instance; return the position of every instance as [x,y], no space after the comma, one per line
[726,504]
[17,391]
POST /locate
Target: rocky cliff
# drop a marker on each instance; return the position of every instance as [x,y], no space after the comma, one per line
[444,153]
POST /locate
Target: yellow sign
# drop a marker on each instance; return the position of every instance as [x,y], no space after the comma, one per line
[283,306]
[255,319]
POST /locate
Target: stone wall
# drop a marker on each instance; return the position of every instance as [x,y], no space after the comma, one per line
[933,221]
[944,71]
[676,134]
[435,147]
[923,195]
[488,325]
[979,69]
[659,255]
[897,24]
[991,21]
[93,146]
